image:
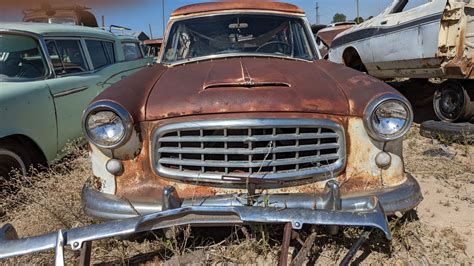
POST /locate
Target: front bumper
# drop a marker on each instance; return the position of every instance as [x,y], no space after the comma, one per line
[327,208]
[401,198]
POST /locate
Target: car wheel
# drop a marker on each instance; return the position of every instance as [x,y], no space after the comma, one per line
[452,103]
[451,132]
[9,162]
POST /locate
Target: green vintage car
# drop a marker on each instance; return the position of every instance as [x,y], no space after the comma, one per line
[48,75]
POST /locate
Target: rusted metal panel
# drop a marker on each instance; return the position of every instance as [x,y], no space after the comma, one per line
[311,88]
[455,47]
[132,92]
[140,183]
[327,35]
[241,5]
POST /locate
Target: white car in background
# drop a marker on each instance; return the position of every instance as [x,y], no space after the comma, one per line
[434,39]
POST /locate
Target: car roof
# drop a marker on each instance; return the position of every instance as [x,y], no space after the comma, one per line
[47,29]
[224,6]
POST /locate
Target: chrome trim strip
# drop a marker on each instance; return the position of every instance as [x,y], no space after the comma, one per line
[319,174]
[69,92]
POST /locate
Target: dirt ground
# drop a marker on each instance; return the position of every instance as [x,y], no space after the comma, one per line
[439,231]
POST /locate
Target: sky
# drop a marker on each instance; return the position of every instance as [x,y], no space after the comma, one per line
[139,14]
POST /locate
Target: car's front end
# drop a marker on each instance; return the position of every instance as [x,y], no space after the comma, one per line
[239,129]
[241,123]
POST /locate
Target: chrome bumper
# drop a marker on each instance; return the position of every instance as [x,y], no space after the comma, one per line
[399,198]
[328,208]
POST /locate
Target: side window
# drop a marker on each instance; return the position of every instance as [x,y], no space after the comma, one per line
[109,46]
[100,55]
[132,51]
[67,56]
[405,5]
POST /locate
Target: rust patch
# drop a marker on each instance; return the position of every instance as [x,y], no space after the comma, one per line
[359,183]
[241,5]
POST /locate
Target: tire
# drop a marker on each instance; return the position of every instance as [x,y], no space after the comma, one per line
[13,156]
[352,59]
[452,103]
[447,131]
[9,161]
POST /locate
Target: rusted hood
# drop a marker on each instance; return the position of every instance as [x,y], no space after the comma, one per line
[246,85]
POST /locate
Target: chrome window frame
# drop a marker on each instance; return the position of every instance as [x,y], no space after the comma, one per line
[47,62]
[321,174]
[85,54]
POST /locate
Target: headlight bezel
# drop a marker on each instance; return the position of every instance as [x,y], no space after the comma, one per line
[118,110]
[376,103]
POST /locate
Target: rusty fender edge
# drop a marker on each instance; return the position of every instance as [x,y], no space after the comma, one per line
[369,213]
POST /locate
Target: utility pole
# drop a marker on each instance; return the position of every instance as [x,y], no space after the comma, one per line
[151,33]
[318,17]
[163,6]
[358,14]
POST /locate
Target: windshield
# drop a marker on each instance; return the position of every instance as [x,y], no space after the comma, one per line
[20,58]
[238,34]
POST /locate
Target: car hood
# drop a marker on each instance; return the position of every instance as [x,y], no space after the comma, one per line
[239,85]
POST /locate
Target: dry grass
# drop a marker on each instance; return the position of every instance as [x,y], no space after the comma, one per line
[49,201]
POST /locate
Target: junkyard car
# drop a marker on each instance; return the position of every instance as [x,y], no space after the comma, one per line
[430,40]
[48,75]
[241,122]
[241,102]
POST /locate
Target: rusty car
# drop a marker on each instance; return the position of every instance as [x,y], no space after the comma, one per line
[433,39]
[241,122]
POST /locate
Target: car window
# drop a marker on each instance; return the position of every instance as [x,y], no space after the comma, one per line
[405,5]
[67,56]
[109,46]
[132,51]
[21,58]
[100,55]
[238,34]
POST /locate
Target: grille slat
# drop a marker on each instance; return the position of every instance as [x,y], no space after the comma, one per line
[253,164]
[283,149]
[248,152]
[245,138]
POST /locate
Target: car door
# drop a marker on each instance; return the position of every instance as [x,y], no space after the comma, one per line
[73,88]
[406,38]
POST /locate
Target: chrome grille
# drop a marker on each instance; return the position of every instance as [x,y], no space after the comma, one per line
[270,149]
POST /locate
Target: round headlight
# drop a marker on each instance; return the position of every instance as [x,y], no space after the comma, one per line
[107,125]
[388,117]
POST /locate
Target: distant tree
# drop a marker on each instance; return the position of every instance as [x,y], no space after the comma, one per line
[359,20]
[339,17]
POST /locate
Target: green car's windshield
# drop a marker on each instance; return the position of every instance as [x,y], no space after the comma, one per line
[238,35]
[20,58]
